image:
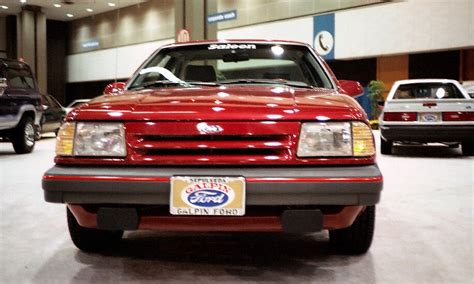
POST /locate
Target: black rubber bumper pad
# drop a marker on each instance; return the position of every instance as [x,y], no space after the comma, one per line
[302,221]
[117,218]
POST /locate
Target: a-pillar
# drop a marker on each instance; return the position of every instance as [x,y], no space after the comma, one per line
[31,42]
[192,16]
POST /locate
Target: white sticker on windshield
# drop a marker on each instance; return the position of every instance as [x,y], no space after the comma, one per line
[232,46]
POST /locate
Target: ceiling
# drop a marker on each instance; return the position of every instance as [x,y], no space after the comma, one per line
[78,8]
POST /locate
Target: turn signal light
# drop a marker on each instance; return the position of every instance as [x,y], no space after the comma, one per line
[362,140]
[458,116]
[399,116]
[65,139]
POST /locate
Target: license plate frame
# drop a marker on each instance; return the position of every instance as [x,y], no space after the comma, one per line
[207,196]
[430,117]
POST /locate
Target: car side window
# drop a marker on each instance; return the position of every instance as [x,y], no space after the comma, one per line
[20,78]
[54,102]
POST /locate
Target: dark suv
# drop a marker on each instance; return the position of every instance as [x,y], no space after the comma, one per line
[20,105]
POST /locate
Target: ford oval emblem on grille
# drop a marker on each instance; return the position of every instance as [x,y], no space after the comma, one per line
[205,128]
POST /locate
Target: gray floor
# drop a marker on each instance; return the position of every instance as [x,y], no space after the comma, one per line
[424,233]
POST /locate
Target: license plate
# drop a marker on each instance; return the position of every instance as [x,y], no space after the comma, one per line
[430,117]
[213,196]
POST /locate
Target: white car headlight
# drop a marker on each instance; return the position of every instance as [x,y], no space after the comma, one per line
[99,139]
[105,139]
[335,139]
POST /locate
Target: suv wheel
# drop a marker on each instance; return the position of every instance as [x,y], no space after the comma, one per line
[23,137]
[39,128]
[468,148]
[357,238]
[90,240]
[386,146]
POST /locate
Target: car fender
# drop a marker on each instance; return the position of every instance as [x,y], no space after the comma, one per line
[11,121]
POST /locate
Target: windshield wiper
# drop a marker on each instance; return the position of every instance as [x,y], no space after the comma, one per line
[168,83]
[201,83]
[161,83]
[268,81]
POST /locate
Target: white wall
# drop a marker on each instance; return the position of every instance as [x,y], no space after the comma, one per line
[392,28]
[108,64]
[299,29]
[404,27]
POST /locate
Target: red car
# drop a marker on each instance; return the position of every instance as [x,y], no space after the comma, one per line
[221,136]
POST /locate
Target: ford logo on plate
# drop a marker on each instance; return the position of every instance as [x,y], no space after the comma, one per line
[430,117]
[205,128]
[208,198]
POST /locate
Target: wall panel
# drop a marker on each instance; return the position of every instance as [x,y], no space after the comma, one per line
[110,63]
[391,69]
[404,27]
[467,64]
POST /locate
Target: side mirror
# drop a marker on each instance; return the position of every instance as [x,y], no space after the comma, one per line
[350,88]
[3,83]
[115,88]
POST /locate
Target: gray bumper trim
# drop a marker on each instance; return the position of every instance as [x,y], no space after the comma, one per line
[93,191]
[428,133]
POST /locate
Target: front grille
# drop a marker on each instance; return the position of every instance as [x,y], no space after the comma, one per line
[211,152]
[250,142]
[213,137]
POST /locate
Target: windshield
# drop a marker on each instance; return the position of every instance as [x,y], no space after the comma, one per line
[427,91]
[233,63]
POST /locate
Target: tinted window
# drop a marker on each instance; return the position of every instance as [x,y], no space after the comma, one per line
[427,91]
[20,78]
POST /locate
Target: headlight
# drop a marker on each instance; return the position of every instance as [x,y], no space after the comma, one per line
[92,139]
[335,139]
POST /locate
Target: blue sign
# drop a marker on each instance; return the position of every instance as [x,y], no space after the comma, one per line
[324,35]
[220,17]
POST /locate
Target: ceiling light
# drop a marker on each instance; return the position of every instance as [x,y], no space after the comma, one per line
[69,15]
[57,5]
[89,10]
[4,7]
[23,1]
[111,4]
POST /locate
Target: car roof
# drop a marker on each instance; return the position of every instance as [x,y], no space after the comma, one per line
[420,81]
[12,63]
[247,41]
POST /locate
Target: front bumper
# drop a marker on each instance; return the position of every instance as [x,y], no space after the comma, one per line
[428,133]
[354,185]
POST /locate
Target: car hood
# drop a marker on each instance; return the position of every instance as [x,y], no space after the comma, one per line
[222,103]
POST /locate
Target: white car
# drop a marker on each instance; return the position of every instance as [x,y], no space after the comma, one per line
[469,87]
[76,103]
[425,111]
